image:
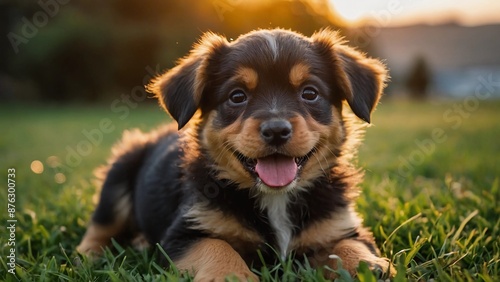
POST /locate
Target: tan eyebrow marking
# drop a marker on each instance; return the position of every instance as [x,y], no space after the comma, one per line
[298,74]
[249,76]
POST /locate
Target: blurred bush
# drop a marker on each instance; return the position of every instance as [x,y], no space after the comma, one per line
[94,50]
[418,79]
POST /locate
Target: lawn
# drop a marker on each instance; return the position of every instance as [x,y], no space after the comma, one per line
[431,192]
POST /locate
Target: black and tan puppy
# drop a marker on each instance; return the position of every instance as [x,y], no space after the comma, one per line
[262,161]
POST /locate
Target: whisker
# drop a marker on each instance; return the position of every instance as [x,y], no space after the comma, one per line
[322,156]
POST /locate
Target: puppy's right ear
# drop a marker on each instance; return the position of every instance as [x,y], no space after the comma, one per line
[180,89]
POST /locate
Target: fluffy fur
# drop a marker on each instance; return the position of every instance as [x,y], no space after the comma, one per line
[261,161]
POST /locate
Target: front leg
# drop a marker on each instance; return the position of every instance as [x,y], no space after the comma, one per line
[351,252]
[214,260]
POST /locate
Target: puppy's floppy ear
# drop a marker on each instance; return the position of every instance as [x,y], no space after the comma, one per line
[180,89]
[360,79]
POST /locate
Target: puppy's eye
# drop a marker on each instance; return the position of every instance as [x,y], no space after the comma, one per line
[238,97]
[309,94]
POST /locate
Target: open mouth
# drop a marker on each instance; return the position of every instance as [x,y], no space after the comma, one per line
[274,170]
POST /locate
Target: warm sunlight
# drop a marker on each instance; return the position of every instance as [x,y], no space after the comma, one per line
[404,12]
[353,10]
[349,13]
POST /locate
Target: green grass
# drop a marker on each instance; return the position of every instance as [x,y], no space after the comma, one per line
[434,208]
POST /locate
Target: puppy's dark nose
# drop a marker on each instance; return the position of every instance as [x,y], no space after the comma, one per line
[276,131]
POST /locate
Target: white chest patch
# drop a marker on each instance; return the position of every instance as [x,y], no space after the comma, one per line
[276,207]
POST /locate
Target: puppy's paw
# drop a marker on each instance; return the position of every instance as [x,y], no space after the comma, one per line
[87,250]
[140,243]
[215,260]
[383,265]
[90,248]
[378,265]
[352,252]
[226,275]
[95,239]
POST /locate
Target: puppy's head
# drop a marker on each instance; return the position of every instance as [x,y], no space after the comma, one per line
[271,103]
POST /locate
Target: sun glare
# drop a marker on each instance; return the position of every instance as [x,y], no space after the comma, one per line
[355,10]
[394,12]
[347,10]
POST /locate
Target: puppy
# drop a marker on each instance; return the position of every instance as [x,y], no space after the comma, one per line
[262,162]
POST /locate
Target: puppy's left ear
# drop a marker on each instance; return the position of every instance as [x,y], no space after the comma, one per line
[180,89]
[359,78]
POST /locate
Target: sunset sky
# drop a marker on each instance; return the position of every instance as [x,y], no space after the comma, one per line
[405,12]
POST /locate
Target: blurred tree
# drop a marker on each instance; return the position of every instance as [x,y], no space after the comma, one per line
[66,59]
[94,50]
[418,79]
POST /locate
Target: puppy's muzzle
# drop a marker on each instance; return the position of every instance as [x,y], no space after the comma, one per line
[276,132]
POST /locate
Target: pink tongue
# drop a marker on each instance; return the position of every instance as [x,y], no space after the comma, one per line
[276,170]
